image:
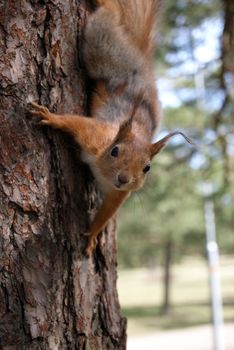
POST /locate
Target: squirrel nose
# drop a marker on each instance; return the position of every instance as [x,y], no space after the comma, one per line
[123,178]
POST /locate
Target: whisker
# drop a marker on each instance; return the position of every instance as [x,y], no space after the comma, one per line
[138,194]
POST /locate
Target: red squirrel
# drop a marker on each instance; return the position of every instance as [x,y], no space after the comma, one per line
[116,141]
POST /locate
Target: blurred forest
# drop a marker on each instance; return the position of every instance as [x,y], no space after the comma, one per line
[194,69]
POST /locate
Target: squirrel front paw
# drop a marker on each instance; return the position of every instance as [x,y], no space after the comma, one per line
[43,112]
[91,246]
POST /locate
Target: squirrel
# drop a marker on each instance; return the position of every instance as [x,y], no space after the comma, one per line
[116,140]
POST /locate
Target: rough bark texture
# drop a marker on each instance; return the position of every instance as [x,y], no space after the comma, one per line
[51,296]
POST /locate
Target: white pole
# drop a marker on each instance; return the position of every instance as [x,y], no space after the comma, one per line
[213,259]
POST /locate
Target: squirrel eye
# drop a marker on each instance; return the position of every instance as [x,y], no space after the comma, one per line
[146,169]
[115,151]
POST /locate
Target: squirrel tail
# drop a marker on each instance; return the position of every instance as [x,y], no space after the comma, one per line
[139,18]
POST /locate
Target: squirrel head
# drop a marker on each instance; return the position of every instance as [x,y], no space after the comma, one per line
[126,162]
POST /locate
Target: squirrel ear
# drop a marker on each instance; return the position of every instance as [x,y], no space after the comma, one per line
[126,127]
[156,147]
[136,104]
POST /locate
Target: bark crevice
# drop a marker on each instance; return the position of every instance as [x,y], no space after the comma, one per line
[50,293]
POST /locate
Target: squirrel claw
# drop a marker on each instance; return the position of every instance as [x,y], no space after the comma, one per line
[40,108]
[42,111]
[44,122]
[91,246]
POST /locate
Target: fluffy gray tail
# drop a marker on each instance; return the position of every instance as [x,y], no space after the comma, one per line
[140,17]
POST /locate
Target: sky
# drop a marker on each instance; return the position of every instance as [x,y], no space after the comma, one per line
[206,54]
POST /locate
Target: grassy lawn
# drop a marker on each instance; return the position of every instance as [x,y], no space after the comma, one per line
[140,293]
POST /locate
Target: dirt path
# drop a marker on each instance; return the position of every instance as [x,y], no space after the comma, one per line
[196,338]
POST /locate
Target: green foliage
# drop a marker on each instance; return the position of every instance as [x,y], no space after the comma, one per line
[170,206]
[180,17]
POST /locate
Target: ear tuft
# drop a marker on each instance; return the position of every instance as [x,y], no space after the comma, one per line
[126,127]
[159,145]
[137,102]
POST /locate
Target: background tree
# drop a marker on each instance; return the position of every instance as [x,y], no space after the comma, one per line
[194,69]
[51,295]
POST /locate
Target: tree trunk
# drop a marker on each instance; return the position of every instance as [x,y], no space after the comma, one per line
[166,304]
[51,295]
[228,37]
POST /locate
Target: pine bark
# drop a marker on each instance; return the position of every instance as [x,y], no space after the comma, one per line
[51,295]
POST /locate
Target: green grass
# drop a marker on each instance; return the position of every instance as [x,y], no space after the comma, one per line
[140,293]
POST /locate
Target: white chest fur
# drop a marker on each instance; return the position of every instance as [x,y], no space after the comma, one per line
[91,161]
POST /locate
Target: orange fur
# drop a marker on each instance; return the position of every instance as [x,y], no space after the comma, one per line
[138,18]
[79,127]
[99,97]
[116,142]
[110,205]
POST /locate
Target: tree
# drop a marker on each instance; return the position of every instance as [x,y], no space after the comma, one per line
[51,295]
[204,111]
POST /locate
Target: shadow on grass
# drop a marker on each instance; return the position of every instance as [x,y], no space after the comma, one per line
[180,316]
